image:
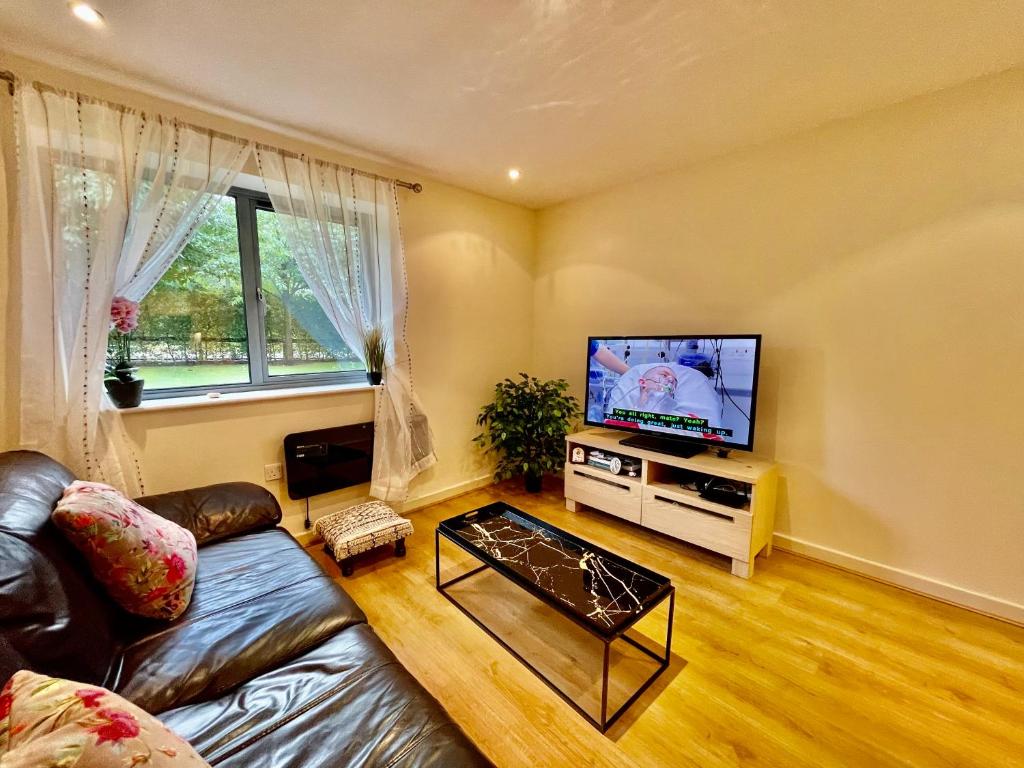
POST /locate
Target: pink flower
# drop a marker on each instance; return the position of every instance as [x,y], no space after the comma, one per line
[90,697]
[81,521]
[124,314]
[175,568]
[5,701]
[118,726]
[155,594]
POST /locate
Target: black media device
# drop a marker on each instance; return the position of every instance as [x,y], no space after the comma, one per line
[679,394]
[725,492]
[716,489]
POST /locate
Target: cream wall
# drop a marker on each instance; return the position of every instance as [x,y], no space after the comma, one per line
[882,258]
[471,292]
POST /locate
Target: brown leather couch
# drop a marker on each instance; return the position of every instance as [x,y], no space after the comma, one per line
[271,665]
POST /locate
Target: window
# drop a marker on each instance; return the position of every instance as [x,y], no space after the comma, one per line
[233,312]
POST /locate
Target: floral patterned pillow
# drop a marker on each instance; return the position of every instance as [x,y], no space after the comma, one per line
[146,562]
[45,721]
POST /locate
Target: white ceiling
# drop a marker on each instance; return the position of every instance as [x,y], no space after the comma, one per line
[579,94]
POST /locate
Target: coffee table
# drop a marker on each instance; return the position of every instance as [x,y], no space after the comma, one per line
[600,591]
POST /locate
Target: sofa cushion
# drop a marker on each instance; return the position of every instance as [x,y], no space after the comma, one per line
[46,721]
[146,562]
[216,512]
[54,617]
[260,600]
[346,703]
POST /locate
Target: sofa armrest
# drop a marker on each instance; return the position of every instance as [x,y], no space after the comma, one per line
[217,511]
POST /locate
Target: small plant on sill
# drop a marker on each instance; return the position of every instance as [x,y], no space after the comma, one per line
[375,348]
[124,388]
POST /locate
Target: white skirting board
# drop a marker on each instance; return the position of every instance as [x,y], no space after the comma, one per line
[448,493]
[940,590]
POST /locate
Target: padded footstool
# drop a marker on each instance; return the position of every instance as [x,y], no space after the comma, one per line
[357,529]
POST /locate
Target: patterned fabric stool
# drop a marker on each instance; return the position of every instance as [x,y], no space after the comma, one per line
[357,529]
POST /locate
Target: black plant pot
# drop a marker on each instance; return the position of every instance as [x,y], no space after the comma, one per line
[374,377]
[532,482]
[125,394]
[125,371]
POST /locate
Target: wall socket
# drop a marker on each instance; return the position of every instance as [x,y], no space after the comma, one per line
[272,472]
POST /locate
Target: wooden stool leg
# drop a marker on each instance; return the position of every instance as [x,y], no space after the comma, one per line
[346,566]
[400,548]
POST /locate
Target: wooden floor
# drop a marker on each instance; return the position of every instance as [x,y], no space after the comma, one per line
[804,665]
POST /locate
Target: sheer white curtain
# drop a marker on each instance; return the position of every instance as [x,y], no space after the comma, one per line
[107,198]
[342,228]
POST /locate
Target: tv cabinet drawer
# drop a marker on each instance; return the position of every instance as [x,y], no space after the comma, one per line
[717,531]
[614,494]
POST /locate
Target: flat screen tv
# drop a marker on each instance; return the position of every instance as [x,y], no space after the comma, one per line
[679,394]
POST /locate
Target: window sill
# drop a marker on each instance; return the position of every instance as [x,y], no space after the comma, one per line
[237,398]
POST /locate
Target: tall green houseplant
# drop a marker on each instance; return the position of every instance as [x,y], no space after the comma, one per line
[526,425]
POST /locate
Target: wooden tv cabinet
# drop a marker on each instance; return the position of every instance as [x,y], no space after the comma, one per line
[655,499]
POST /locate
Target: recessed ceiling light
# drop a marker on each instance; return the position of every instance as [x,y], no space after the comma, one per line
[513,174]
[87,13]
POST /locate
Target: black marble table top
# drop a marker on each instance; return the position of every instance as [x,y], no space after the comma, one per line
[603,590]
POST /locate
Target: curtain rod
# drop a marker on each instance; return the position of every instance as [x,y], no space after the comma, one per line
[415,186]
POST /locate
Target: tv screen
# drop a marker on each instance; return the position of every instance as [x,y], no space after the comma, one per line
[698,388]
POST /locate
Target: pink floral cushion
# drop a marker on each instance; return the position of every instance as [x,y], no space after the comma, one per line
[146,562]
[45,721]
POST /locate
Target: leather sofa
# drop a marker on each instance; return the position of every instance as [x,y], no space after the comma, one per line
[271,665]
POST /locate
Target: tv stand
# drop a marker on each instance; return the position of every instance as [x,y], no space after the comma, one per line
[655,500]
[670,445]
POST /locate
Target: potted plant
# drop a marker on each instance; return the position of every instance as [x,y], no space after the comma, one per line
[124,388]
[526,425]
[375,347]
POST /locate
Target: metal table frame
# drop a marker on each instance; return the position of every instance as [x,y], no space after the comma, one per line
[605,722]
